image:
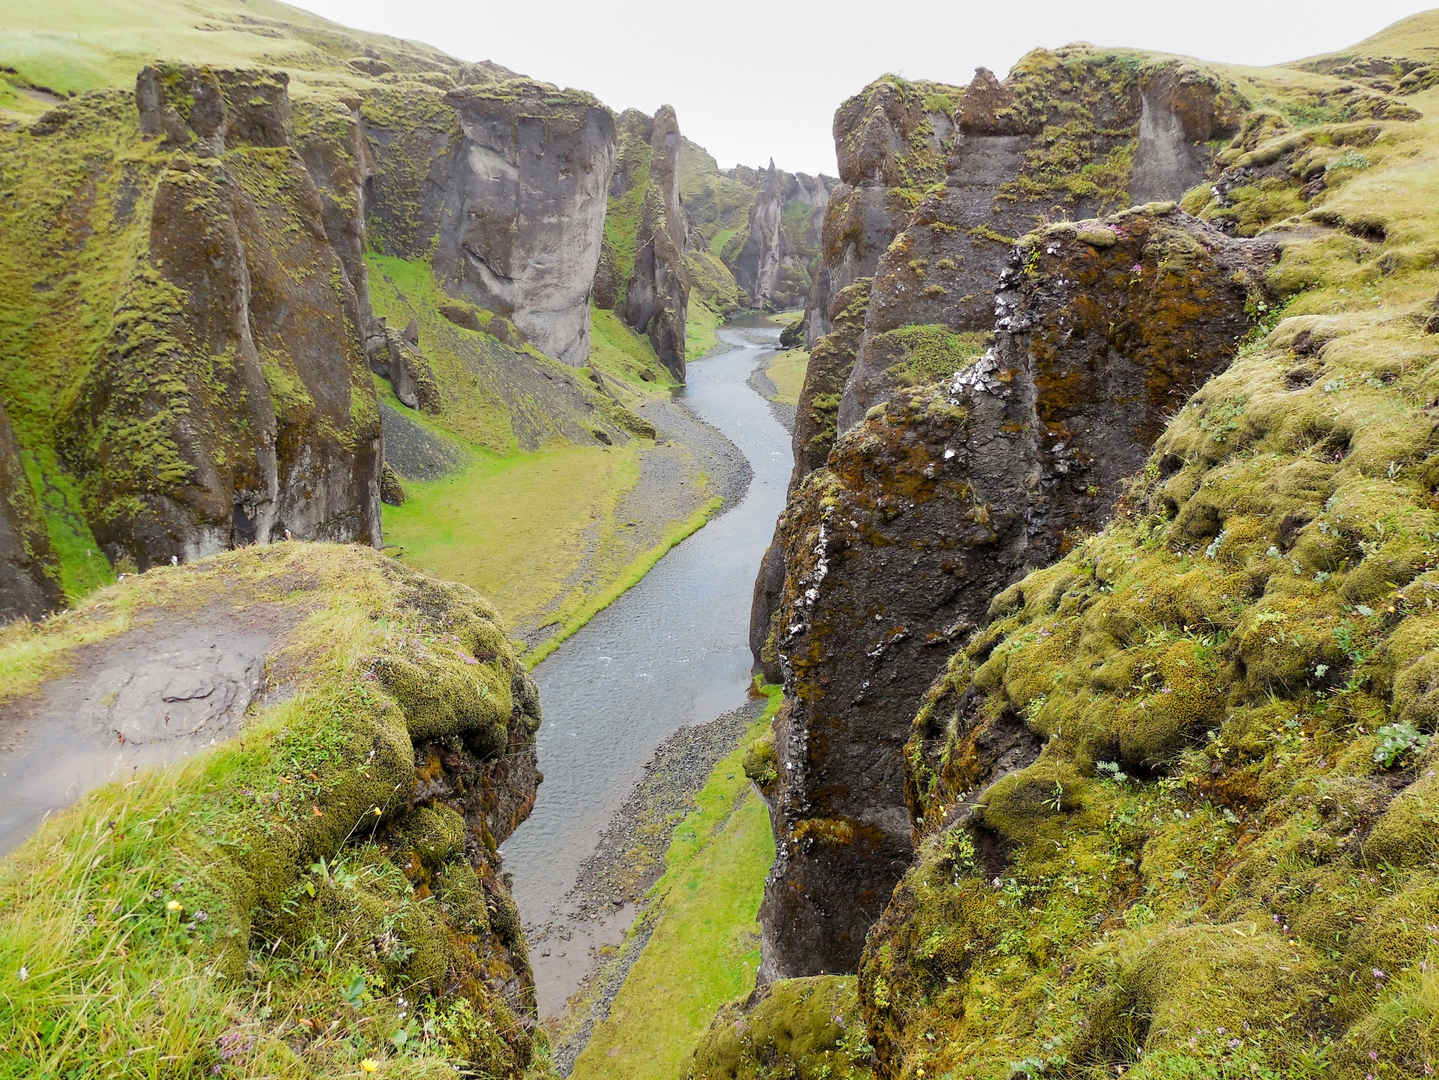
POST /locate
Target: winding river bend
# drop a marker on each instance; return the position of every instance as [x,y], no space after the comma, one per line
[671,652]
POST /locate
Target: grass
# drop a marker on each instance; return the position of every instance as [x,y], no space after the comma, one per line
[701,329]
[619,352]
[514,528]
[628,579]
[786,371]
[103,45]
[704,947]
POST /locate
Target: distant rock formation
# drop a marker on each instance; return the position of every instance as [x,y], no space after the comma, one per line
[658,290]
[782,238]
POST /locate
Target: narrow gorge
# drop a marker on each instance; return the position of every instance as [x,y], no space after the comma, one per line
[489,592]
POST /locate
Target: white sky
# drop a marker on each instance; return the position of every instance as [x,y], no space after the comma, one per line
[751,79]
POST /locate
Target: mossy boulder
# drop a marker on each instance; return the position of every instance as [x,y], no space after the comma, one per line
[804,1029]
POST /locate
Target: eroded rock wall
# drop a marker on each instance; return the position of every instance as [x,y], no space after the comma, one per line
[940,497]
[230,402]
[776,263]
[658,292]
[521,217]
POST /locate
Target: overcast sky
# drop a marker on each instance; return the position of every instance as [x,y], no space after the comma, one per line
[751,79]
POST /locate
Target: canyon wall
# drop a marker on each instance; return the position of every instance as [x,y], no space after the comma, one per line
[224,395]
[1068,595]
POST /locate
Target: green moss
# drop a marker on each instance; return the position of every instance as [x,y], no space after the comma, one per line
[216,906]
[806,1029]
[930,353]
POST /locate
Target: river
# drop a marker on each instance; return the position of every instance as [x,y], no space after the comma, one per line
[672,651]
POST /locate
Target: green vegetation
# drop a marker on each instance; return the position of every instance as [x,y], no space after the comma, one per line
[931,352]
[620,353]
[701,329]
[106,45]
[786,370]
[274,907]
[800,1029]
[703,945]
[514,528]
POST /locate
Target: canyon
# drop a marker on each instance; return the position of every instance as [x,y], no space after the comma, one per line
[1090,727]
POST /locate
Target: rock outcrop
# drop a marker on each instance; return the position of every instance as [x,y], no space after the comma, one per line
[520,216]
[386,751]
[229,402]
[225,397]
[939,498]
[658,290]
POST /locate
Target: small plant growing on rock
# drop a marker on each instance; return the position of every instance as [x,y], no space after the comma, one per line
[1397,741]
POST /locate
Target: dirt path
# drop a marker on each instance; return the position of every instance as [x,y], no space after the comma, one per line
[156,692]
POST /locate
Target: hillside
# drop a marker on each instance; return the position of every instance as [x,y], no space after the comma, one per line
[400,338]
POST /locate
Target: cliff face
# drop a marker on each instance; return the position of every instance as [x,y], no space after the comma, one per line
[522,214]
[935,502]
[936,180]
[200,368]
[658,293]
[223,397]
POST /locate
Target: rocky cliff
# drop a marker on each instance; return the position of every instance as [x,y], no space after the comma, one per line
[658,291]
[940,498]
[197,364]
[521,214]
[323,889]
[1161,789]
[30,585]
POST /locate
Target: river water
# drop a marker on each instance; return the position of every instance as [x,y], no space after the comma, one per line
[670,652]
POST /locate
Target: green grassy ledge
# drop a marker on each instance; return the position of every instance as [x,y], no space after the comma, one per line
[632,576]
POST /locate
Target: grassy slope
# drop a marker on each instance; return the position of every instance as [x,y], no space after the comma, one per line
[142,932]
[75,45]
[704,948]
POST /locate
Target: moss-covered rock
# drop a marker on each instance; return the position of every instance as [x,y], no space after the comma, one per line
[801,1029]
[321,889]
[936,501]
